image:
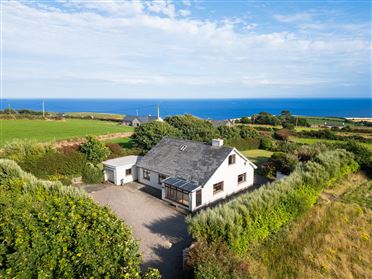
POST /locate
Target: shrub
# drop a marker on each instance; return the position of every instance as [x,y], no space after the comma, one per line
[244,144]
[92,174]
[115,149]
[288,125]
[362,154]
[227,132]
[285,163]
[265,118]
[251,217]
[25,150]
[266,143]
[282,134]
[245,120]
[52,231]
[247,132]
[212,261]
[95,150]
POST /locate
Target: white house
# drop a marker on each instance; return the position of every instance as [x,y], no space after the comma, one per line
[192,174]
[121,170]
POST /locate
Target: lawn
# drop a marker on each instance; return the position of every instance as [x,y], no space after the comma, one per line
[95,115]
[319,120]
[312,141]
[44,130]
[124,142]
[257,156]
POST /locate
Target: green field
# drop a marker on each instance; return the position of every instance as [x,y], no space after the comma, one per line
[44,130]
[312,141]
[95,115]
[318,120]
[124,142]
[257,156]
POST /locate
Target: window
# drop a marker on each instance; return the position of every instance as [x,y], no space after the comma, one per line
[177,195]
[198,197]
[128,172]
[146,174]
[218,187]
[232,159]
[242,178]
[161,177]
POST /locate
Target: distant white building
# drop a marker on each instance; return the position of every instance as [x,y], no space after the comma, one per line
[192,174]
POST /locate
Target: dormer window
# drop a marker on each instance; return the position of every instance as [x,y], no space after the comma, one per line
[232,159]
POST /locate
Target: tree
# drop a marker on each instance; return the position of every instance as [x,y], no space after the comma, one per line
[282,134]
[95,150]
[265,118]
[148,135]
[285,163]
[193,128]
[245,120]
[229,132]
[247,132]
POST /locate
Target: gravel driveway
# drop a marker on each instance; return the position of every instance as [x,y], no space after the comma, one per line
[161,229]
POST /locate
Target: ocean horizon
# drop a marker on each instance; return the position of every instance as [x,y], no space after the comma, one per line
[204,108]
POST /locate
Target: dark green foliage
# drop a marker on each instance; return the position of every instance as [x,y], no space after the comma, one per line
[252,217]
[245,120]
[284,162]
[54,163]
[247,132]
[288,125]
[193,128]
[266,143]
[227,132]
[92,174]
[52,231]
[94,150]
[148,135]
[265,118]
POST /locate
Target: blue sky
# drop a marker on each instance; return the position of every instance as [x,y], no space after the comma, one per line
[186,49]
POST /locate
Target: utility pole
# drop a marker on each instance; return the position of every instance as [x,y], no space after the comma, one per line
[9,108]
[43,108]
[158,111]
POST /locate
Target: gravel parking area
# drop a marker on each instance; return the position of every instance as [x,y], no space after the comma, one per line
[161,229]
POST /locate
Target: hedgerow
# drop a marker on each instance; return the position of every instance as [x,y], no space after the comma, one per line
[254,216]
[52,231]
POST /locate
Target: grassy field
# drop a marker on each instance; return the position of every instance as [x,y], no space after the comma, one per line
[257,156]
[124,142]
[43,130]
[319,120]
[95,115]
[312,141]
[333,240]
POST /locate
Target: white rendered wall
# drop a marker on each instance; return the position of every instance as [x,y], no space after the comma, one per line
[154,179]
[120,174]
[229,175]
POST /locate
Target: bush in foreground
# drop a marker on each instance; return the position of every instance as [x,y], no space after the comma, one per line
[52,231]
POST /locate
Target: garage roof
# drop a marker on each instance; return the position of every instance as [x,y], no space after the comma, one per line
[122,161]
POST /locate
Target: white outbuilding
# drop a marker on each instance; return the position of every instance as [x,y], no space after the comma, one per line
[121,170]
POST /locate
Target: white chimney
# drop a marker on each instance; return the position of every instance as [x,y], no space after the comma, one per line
[217,142]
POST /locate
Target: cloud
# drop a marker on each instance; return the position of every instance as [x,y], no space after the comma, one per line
[133,44]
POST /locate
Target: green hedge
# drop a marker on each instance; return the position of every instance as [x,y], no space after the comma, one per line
[92,174]
[52,231]
[254,216]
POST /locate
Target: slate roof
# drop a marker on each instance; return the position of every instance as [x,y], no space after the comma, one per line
[196,163]
[142,119]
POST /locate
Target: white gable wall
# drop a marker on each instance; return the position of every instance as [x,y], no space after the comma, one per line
[120,176]
[229,175]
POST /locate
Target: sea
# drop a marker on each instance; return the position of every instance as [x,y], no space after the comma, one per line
[203,108]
